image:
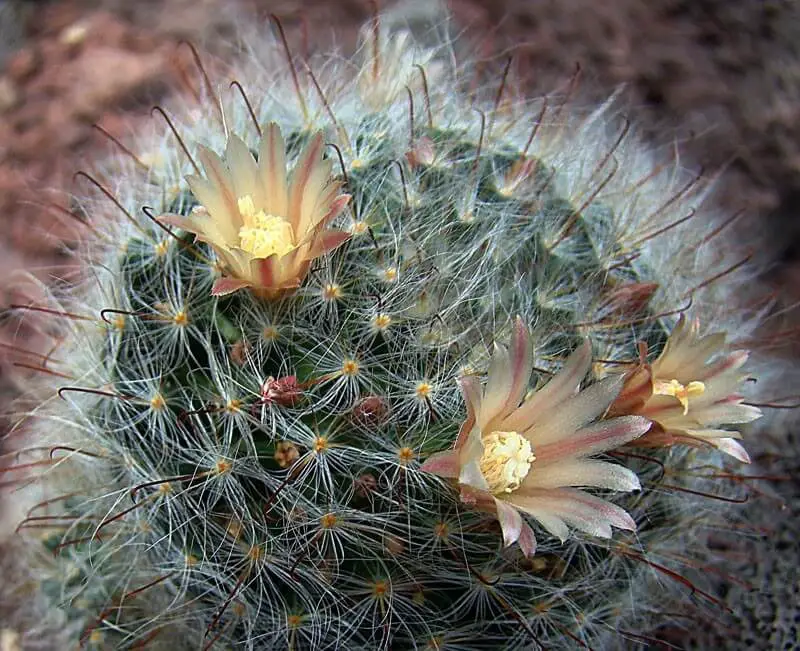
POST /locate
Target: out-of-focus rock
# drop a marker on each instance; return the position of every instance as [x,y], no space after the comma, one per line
[9,95]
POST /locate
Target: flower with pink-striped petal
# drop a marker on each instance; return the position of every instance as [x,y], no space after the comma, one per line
[689,392]
[518,454]
[265,228]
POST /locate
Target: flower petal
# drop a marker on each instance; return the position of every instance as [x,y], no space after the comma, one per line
[469,460]
[730,362]
[443,464]
[272,167]
[244,172]
[496,391]
[551,523]
[266,272]
[636,390]
[510,522]
[219,178]
[725,413]
[527,540]
[329,206]
[224,220]
[189,223]
[583,472]
[731,447]
[602,436]
[560,422]
[558,389]
[585,512]
[225,286]
[471,390]
[471,475]
[509,374]
[328,241]
[302,189]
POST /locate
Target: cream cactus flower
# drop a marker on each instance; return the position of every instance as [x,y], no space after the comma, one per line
[516,454]
[265,229]
[689,392]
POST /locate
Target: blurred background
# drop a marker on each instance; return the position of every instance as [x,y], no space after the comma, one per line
[719,79]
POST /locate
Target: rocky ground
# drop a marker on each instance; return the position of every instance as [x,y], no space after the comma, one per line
[721,77]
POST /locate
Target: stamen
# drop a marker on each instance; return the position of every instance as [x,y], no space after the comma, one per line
[506,461]
[677,390]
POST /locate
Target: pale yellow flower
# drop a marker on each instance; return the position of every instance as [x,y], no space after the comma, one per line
[265,228]
[689,392]
[516,454]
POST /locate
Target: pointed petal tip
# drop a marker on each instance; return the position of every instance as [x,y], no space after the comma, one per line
[733,448]
[225,286]
[625,521]
[442,464]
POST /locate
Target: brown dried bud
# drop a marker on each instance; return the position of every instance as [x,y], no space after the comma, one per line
[282,391]
[371,411]
[422,153]
[239,352]
[393,545]
[365,485]
[286,453]
[627,300]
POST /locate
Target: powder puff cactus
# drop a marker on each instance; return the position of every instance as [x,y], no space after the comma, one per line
[512,457]
[689,392]
[265,229]
[249,462]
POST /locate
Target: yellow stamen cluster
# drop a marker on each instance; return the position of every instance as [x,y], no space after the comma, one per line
[269,234]
[506,461]
[677,390]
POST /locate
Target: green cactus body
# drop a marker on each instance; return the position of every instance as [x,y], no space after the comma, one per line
[249,468]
